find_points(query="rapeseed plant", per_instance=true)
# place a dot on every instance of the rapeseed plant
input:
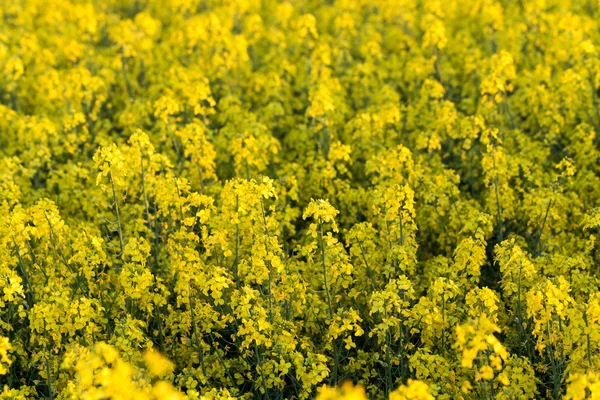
(351, 199)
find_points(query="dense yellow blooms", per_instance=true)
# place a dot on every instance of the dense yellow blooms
(5, 361)
(269, 199)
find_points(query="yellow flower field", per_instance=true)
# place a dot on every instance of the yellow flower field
(290, 199)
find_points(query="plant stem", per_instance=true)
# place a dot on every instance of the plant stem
(322, 243)
(116, 205)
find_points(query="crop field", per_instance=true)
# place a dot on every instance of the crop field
(298, 199)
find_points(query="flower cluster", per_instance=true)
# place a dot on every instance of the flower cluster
(344, 199)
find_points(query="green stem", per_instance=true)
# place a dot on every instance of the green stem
(116, 205)
(539, 238)
(49, 380)
(322, 243)
(196, 337)
(25, 275)
(237, 244)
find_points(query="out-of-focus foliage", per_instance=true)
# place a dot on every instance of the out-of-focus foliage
(266, 199)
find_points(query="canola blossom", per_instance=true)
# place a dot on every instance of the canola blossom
(294, 199)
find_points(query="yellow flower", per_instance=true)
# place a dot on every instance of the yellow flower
(157, 364)
(5, 361)
(413, 390)
(347, 391)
